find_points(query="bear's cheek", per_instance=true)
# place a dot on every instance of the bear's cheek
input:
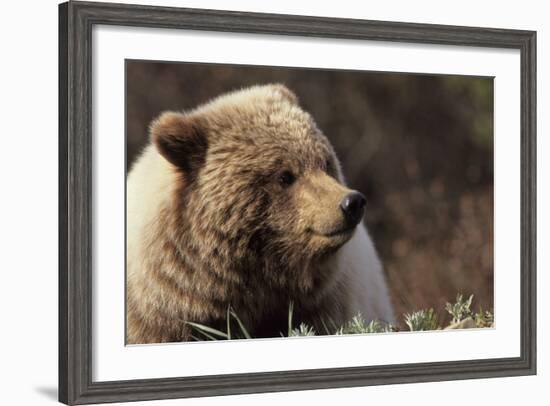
(283, 218)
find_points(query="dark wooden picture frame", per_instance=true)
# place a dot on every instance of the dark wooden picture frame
(76, 20)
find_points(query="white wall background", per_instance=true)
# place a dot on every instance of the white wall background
(28, 200)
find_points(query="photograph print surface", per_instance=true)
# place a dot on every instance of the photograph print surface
(266, 202)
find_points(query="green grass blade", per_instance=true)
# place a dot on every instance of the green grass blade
(327, 331)
(241, 325)
(333, 324)
(290, 311)
(205, 330)
(228, 323)
(210, 337)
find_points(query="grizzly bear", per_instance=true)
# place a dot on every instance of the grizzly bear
(241, 204)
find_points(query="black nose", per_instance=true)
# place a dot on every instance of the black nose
(353, 206)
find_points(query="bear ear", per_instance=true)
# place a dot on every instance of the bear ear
(180, 139)
(284, 92)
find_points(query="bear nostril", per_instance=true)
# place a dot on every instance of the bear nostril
(353, 206)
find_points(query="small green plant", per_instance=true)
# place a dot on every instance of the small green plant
(484, 318)
(460, 310)
(422, 320)
(302, 331)
(357, 325)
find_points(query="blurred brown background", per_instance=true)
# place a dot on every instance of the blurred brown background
(420, 147)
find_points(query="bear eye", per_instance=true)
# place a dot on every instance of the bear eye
(287, 178)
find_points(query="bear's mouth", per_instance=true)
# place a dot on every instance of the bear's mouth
(342, 231)
(335, 234)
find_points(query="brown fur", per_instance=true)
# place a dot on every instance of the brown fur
(229, 233)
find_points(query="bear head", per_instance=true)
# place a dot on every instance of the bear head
(261, 188)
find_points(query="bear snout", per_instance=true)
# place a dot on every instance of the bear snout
(353, 207)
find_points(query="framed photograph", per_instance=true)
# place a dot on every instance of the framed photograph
(257, 202)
